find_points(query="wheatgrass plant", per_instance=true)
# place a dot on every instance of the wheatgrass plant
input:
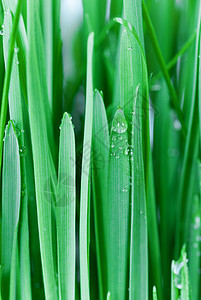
(104, 204)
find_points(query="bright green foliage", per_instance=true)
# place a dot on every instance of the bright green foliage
(11, 184)
(100, 209)
(118, 206)
(85, 184)
(43, 164)
(65, 210)
(100, 158)
(16, 103)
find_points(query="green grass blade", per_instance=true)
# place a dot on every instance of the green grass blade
(153, 234)
(127, 92)
(11, 186)
(179, 54)
(84, 264)
(161, 148)
(16, 109)
(133, 14)
(199, 88)
(47, 29)
(162, 64)
(100, 156)
(95, 13)
(4, 104)
(1, 52)
(118, 206)
(65, 210)
(43, 165)
(21, 39)
(57, 65)
(139, 243)
(40, 54)
(138, 285)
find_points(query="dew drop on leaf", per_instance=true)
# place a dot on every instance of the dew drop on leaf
(23, 151)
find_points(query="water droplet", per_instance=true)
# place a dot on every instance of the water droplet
(130, 26)
(59, 127)
(141, 212)
(23, 151)
(130, 48)
(70, 117)
(177, 125)
(197, 223)
(16, 49)
(117, 156)
(177, 267)
(124, 190)
(18, 62)
(126, 151)
(23, 187)
(22, 193)
(1, 32)
(112, 145)
(17, 132)
(151, 75)
(7, 12)
(155, 87)
(178, 283)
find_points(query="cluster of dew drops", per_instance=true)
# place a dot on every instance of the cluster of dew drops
(6, 12)
(119, 146)
(119, 137)
(196, 227)
(176, 268)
